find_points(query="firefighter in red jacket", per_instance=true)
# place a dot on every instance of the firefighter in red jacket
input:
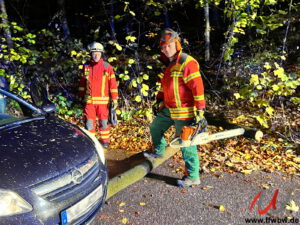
(98, 88)
(179, 102)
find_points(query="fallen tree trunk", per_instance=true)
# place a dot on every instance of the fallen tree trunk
(217, 120)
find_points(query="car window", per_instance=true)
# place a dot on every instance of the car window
(11, 110)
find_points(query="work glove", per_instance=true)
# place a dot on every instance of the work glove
(201, 119)
(157, 106)
(114, 104)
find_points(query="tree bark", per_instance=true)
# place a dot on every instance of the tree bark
(207, 32)
(217, 120)
(7, 33)
(63, 19)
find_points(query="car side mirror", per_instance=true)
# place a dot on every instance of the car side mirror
(49, 107)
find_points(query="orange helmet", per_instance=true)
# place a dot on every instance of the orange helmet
(168, 36)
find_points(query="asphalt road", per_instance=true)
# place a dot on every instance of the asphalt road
(156, 200)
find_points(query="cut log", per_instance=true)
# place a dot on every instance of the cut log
(218, 120)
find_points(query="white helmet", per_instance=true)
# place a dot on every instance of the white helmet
(96, 47)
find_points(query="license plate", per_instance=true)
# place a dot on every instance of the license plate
(80, 208)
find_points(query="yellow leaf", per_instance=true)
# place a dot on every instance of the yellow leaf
(248, 156)
(73, 53)
(130, 38)
(131, 61)
(261, 119)
(222, 208)
(80, 67)
(140, 79)
(229, 164)
(207, 188)
(122, 204)
(246, 172)
(267, 66)
(275, 87)
(132, 13)
(126, 77)
(111, 59)
(121, 210)
(142, 203)
(292, 206)
(118, 111)
(237, 95)
(259, 87)
(138, 98)
(254, 79)
(279, 72)
(270, 110)
(297, 160)
(149, 67)
(134, 84)
(117, 17)
(124, 220)
(145, 77)
(119, 47)
(145, 93)
(145, 87)
(283, 57)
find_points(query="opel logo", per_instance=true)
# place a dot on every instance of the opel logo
(77, 176)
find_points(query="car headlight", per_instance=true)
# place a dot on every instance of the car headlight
(11, 203)
(98, 146)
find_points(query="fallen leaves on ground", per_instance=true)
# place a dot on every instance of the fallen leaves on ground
(244, 156)
(133, 135)
(124, 220)
(207, 188)
(229, 155)
(222, 208)
(292, 206)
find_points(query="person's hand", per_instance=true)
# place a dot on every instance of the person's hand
(114, 104)
(157, 106)
(201, 119)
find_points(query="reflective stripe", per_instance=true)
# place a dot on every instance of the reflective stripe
(183, 116)
(98, 98)
(102, 132)
(81, 88)
(103, 85)
(104, 137)
(183, 109)
(112, 76)
(97, 102)
(176, 91)
(176, 74)
(199, 98)
(182, 113)
(114, 90)
(191, 76)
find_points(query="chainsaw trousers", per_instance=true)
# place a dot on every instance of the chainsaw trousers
(93, 111)
(159, 126)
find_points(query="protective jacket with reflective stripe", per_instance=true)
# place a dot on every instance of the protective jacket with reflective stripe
(98, 83)
(182, 88)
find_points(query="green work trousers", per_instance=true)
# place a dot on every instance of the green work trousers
(159, 126)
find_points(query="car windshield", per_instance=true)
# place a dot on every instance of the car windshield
(12, 110)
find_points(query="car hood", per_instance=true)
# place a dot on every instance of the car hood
(40, 149)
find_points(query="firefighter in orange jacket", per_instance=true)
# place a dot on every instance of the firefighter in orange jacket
(98, 87)
(179, 102)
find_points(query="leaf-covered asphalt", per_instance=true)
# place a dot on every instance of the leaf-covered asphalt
(156, 200)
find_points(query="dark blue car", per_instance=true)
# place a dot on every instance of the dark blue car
(51, 171)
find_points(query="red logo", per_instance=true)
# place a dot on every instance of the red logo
(272, 203)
